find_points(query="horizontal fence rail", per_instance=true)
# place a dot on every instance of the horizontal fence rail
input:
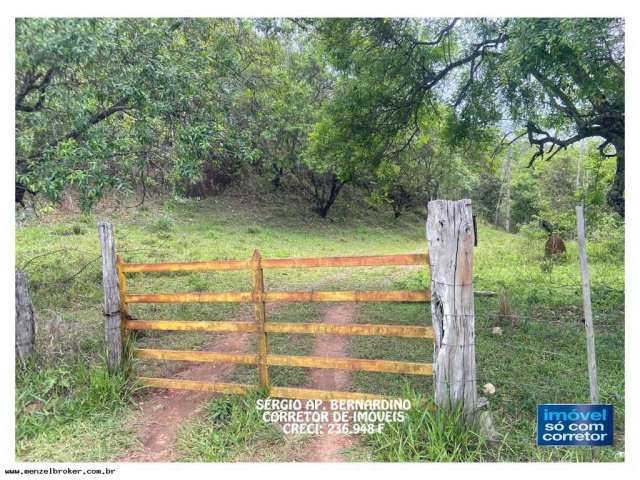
(204, 297)
(241, 389)
(191, 326)
(281, 297)
(406, 331)
(384, 366)
(313, 394)
(237, 388)
(190, 356)
(262, 359)
(359, 261)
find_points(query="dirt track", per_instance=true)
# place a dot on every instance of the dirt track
(163, 412)
(328, 447)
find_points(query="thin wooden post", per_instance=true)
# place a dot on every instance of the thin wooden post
(25, 320)
(260, 312)
(111, 307)
(586, 302)
(507, 201)
(450, 237)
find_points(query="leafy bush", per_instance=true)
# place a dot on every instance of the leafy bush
(164, 224)
(606, 238)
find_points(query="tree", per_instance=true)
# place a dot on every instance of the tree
(184, 104)
(565, 77)
(560, 80)
(191, 104)
(426, 169)
(109, 103)
(385, 104)
(283, 108)
(77, 84)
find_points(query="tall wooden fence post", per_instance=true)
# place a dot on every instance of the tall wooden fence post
(450, 236)
(25, 320)
(111, 307)
(586, 301)
(260, 311)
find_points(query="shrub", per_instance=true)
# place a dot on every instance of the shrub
(427, 435)
(163, 224)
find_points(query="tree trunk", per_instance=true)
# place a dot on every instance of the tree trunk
(615, 197)
(336, 186)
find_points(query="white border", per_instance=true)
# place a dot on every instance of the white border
(332, 8)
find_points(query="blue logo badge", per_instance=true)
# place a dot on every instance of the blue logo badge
(575, 424)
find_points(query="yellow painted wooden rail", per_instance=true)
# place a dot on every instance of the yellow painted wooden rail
(262, 359)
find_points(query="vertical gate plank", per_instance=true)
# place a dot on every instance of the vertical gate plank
(124, 308)
(451, 239)
(122, 287)
(260, 312)
(111, 307)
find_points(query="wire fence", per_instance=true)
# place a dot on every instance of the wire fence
(531, 354)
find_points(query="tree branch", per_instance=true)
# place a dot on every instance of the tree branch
(502, 143)
(568, 106)
(31, 84)
(120, 106)
(473, 67)
(478, 50)
(440, 36)
(557, 144)
(603, 146)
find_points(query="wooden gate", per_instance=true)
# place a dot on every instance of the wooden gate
(261, 327)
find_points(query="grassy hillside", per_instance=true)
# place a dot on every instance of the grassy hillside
(67, 408)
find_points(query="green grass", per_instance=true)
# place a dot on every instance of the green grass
(541, 358)
(427, 436)
(232, 429)
(72, 412)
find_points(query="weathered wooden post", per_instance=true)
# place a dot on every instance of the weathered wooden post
(588, 315)
(25, 320)
(260, 312)
(111, 307)
(450, 236)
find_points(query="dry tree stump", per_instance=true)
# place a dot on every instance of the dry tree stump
(554, 246)
(451, 236)
(451, 239)
(25, 320)
(111, 306)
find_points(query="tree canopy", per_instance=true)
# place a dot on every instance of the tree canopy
(404, 110)
(555, 81)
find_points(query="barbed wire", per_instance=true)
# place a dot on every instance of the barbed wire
(557, 325)
(540, 316)
(548, 286)
(497, 382)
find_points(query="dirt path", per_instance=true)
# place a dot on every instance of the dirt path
(163, 412)
(329, 447)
